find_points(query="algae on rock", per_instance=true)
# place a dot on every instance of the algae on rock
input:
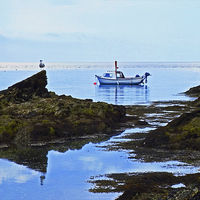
(31, 114)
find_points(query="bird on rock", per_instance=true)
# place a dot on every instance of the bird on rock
(41, 65)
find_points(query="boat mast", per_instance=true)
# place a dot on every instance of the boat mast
(116, 69)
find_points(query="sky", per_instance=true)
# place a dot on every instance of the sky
(100, 30)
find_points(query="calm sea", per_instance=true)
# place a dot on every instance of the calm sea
(68, 172)
(168, 80)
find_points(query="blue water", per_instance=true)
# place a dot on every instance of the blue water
(164, 84)
(67, 173)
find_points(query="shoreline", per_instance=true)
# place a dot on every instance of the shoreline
(134, 186)
(33, 66)
(27, 104)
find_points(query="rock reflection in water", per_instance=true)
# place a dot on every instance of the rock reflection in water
(64, 169)
(45, 170)
(33, 157)
(10, 171)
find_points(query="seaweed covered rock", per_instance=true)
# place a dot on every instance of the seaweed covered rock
(194, 91)
(26, 89)
(150, 185)
(29, 114)
(182, 132)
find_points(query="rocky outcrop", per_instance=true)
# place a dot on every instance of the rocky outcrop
(30, 114)
(182, 132)
(194, 91)
(26, 89)
(179, 140)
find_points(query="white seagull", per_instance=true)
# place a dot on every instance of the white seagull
(41, 65)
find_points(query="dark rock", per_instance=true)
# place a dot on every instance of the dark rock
(141, 123)
(26, 89)
(180, 139)
(181, 133)
(194, 91)
(191, 193)
(30, 113)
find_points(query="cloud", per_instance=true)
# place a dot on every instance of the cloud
(63, 2)
(29, 18)
(54, 35)
(100, 29)
(133, 20)
(18, 173)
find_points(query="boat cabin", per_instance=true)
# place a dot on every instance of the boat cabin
(111, 74)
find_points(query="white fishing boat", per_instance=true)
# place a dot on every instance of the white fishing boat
(117, 78)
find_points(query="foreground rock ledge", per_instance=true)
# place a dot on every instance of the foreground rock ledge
(182, 132)
(30, 114)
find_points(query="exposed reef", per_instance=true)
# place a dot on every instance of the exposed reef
(194, 91)
(31, 115)
(150, 186)
(178, 140)
(182, 132)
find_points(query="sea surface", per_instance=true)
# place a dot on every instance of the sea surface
(68, 172)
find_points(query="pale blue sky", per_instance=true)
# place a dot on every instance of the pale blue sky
(100, 30)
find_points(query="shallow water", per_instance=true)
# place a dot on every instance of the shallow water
(67, 173)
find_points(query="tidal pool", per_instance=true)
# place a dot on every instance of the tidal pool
(68, 172)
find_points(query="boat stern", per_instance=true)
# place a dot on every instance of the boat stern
(145, 76)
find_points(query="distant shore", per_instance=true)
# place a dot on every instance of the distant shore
(33, 66)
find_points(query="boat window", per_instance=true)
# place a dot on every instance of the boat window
(107, 75)
(120, 75)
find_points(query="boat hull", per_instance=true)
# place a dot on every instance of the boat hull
(120, 81)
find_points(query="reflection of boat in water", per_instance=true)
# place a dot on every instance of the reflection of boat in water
(118, 78)
(122, 94)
